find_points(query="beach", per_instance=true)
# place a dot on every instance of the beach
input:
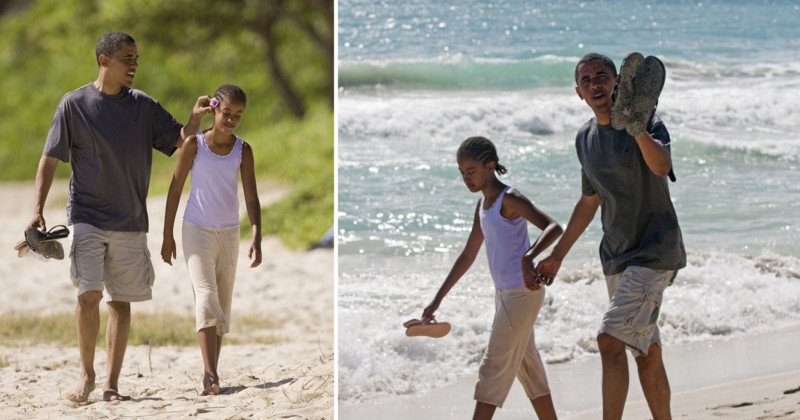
(757, 377)
(288, 374)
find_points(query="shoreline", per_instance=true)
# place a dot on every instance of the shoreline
(764, 363)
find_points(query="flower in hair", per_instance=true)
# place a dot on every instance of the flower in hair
(214, 102)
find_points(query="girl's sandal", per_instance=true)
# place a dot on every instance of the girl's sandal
(416, 328)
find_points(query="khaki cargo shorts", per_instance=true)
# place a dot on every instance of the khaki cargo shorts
(117, 261)
(634, 305)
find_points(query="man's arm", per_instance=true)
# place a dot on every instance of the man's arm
(201, 107)
(44, 179)
(655, 154)
(582, 215)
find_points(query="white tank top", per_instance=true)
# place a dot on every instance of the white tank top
(506, 242)
(214, 200)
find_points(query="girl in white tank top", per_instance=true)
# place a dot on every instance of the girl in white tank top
(501, 220)
(215, 158)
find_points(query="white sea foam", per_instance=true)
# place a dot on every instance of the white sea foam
(717, 295)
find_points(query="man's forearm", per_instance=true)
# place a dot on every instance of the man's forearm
(581, 217)
(44, 180)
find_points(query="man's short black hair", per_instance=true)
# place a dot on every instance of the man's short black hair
(110, 42)
(595, 57)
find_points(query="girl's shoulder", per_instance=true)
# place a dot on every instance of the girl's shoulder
(514, 197)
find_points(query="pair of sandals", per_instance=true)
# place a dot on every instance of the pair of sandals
(417, 328)
(636, 94)
(43, 243)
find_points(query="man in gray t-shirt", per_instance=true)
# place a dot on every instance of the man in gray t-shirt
(625, 174)
(107, 132)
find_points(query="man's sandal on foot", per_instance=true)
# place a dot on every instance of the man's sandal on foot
(640, 84)
(45, 243)
(416, 328)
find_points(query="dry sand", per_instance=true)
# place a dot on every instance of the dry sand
(292, 378)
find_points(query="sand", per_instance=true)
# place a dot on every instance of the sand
(758, 377)
(292, 378)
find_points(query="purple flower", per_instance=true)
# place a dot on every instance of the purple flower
(214, 102)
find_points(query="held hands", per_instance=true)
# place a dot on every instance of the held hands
(546, 271)
(168, 251)
(529, 274)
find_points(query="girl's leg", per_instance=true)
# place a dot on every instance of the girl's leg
(545, 410)
(483, 411)
(209, 349)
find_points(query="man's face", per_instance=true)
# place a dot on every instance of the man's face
(595, 84)
(121, 66)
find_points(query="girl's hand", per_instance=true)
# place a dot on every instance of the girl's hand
(168, 250)
(427, 314)
(255, 253)
(529, 274)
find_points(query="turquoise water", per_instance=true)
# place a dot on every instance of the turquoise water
(416, 78)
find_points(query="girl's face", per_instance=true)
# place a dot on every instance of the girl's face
(476, 175)
(228, 115)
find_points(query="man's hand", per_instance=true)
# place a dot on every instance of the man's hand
(547, 269)
(38, 222)
(202, 106)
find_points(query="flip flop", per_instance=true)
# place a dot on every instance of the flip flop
(45, 243)
(625, 91)
(110, 395)
(640, 84)
(416, 328)
(650, 77)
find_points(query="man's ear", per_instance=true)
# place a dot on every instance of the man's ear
(103, 60)
(578, 91)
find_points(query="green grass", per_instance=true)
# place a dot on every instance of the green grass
(43, 55)
(161, 329)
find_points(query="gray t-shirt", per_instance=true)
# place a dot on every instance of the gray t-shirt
(110, 141)
(640, 227)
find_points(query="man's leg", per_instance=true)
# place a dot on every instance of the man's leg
(655, 384)
(615, 375)
(119, 324)
(87, 314)
(483, 411)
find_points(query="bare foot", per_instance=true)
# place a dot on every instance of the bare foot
(113, 395)
(81, 394)
(210, 385)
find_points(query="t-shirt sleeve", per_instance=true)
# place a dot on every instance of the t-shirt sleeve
(586, 186)
(58, 139)
(166, 131)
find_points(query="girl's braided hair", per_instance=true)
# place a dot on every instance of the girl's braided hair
(482, 150)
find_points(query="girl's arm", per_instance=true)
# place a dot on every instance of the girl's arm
(516, 205)
(186, 155)
(460, 267)
(252, 203)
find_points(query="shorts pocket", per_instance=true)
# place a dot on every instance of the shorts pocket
(74, 274)
(150, 274)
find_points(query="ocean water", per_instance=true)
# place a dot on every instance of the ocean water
(417, 77)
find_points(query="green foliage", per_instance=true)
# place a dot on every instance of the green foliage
(187, 49)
